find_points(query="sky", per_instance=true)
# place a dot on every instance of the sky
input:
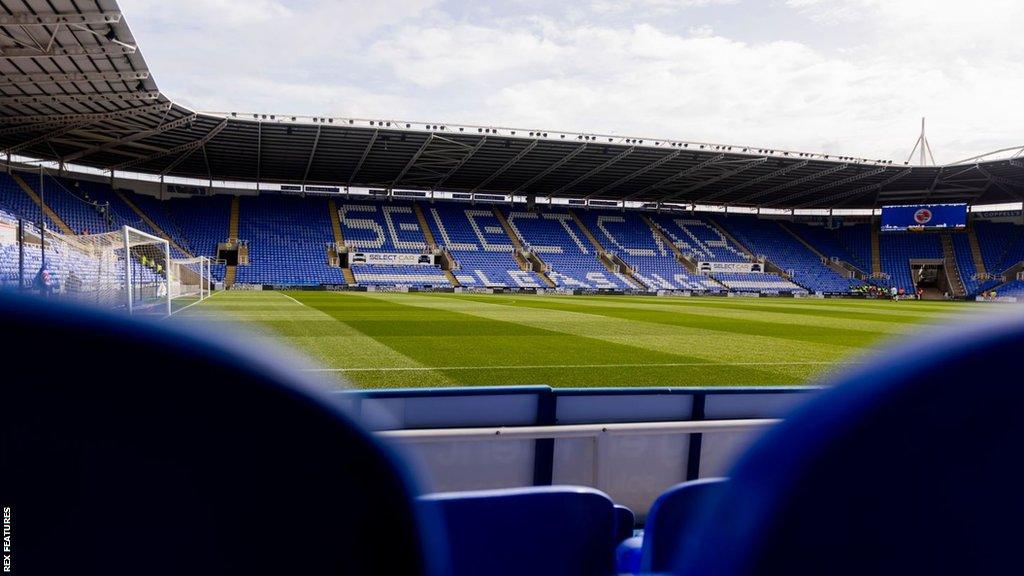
(851, 77)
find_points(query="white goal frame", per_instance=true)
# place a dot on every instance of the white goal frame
(201, 267)
(127, 233)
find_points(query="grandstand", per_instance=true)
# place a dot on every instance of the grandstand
(489, 207)
(288, 240)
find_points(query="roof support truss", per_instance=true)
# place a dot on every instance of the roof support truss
(636, 174)
(828, 186)
(94, 98)
(31, 52)
(574, 153)
(412, 160)
(723, 176)
(594, 170)
(30, 123)
(791, 183)
(512, 162)
(46, 137)
(60, 77)
(857, 191)
(366, 152)
(437, 160)
(763, 178)
(1004, 183)
(183, 149)
(678, 175)
(183, 121)
(25, 19)
(460, 163)
(312, 153)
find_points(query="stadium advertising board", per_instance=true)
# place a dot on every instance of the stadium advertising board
(708, 267)
(390, 258)
(923, 217)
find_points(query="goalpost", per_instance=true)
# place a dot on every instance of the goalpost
(147, 261)
(129, 270)
(190, 278)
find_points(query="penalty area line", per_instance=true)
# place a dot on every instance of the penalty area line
(192, 304)
(570, 366)
(292, 299)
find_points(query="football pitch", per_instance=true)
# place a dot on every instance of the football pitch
(398, 340)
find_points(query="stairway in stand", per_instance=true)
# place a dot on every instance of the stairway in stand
(610, 261)
(46, 209)
(339, 239)
(428, 234)
(145, 218)
(534, 263)
(230, 271)
(876, 251)
(952, 270)
(233, 222)
(979, 262)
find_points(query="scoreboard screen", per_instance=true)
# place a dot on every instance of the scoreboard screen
(924, 217)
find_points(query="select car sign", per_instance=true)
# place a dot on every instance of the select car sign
(390, 258)
(709, 267)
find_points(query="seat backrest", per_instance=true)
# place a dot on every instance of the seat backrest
(543, 531)
(910, 465)
(127, 448)
(673, 518)
(625, 521)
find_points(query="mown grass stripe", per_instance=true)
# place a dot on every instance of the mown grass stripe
(402, 340)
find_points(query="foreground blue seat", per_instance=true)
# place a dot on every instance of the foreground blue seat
(543, 531)
(910, 465)
(131, 449)
(625, 521)
(673, 518)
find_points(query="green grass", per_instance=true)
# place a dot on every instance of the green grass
(403, 340)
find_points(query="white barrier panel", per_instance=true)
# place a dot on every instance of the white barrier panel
(390, 258)
(1010, 299)
(632, 462)
(741, 267)
(8, 233)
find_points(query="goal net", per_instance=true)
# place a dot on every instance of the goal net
(126, 269)
(189, 279)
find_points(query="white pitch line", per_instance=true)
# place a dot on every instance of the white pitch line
(192, 304)
(293, 299)
(539, 366)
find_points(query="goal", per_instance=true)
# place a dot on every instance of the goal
(189, 280)
(127, 269)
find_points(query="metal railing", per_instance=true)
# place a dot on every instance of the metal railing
(596, 431)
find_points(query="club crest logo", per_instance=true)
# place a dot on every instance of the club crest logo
(923, 216)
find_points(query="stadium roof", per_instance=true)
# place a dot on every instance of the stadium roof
(75, 89)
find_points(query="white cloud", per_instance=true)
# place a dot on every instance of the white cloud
(659, 6)
(655, 69)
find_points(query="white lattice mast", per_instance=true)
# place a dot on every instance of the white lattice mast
(923, 148)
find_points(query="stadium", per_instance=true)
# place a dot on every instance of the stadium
(436, 348)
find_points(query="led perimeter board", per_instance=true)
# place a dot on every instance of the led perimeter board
(923, 217)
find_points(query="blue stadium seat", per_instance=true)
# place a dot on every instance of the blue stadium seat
(625, 521)
(544, 531)
(556, 238)
(673, 518)
(627, 235)
(482, 250)
(908, 466)
(115, 463)
(769, 239)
